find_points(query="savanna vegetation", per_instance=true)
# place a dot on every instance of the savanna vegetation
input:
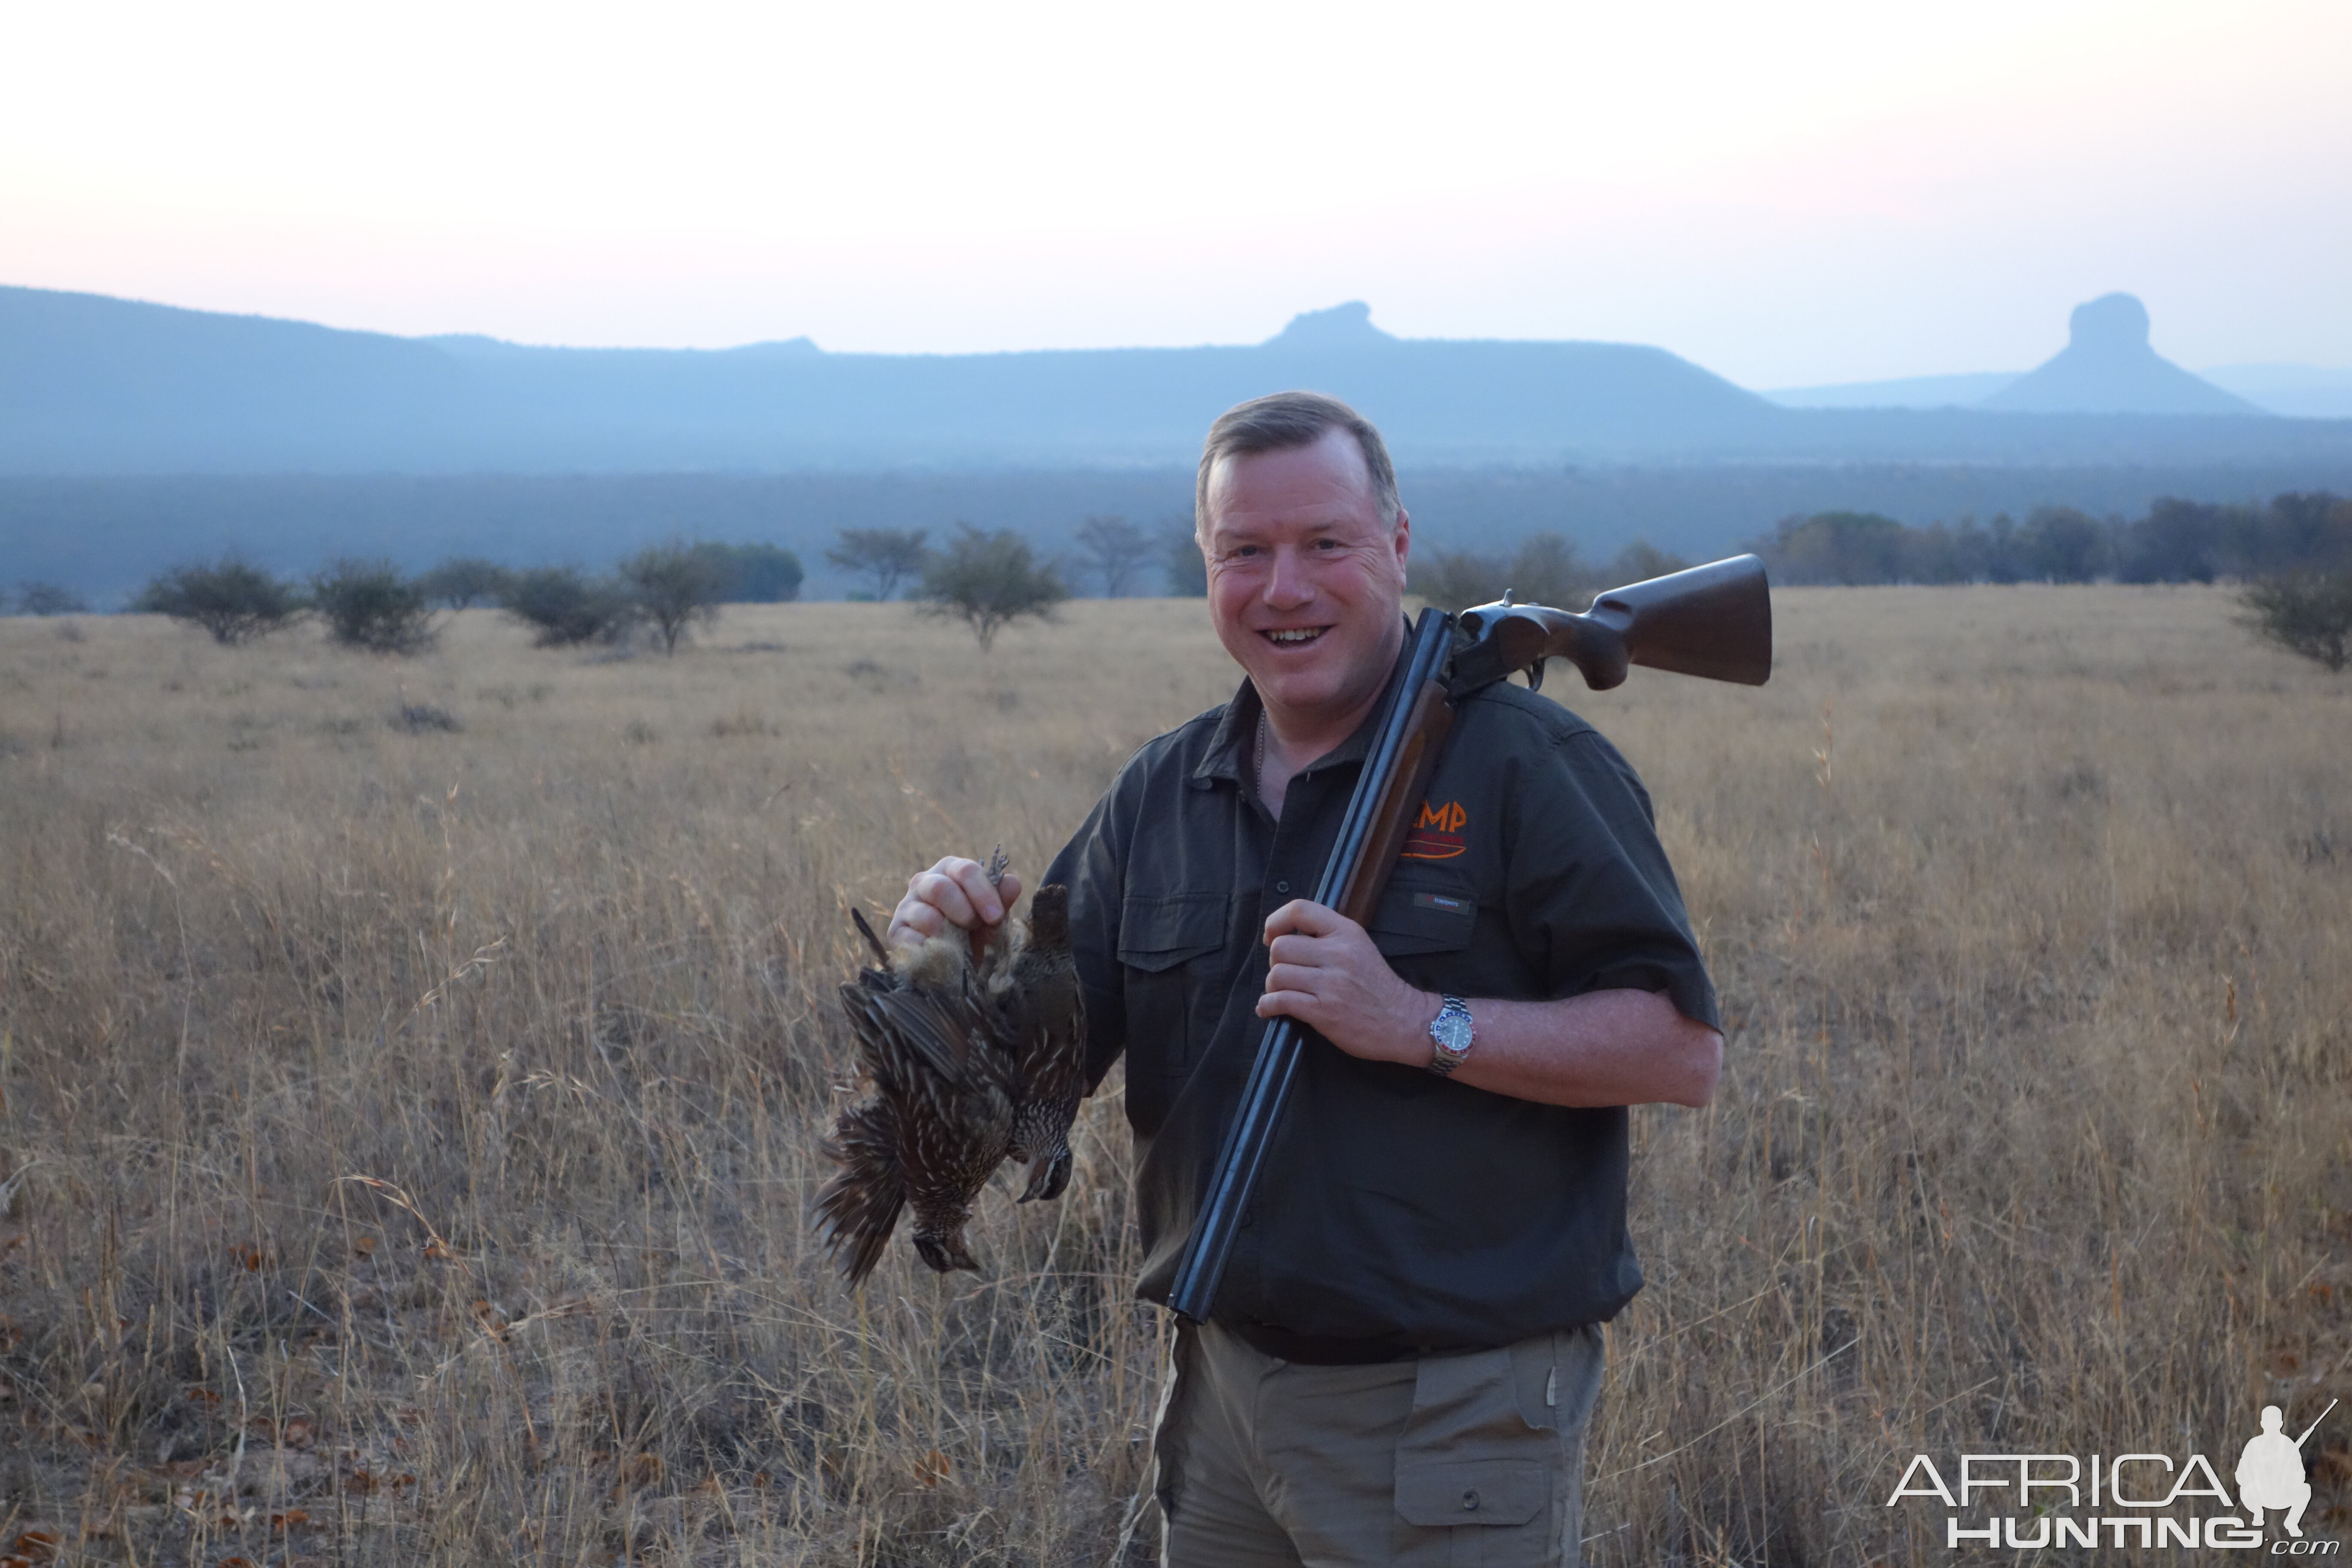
(2174, 541)
(407, 1128)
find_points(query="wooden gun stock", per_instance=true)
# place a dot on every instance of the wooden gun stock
(1713, 621)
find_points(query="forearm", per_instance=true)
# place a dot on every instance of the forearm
(1605, 1048)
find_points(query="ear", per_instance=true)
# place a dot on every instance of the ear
(1403, 540)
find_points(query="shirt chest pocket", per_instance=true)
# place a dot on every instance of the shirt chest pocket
(1419, 917)
(1157, 934)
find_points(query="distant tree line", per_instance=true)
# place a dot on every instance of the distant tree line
(2177, 542)
(1544, 569)
(2293, 556)
(370, 605)
(1110, 550)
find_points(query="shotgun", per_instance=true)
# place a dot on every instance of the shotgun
(1713, 621)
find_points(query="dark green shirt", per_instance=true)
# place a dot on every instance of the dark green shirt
(1394, 1205)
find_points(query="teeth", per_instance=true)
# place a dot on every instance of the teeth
(1305, 635)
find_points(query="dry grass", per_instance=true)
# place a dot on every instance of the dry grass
(410, 1128)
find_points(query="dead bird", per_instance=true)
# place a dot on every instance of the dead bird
(1042, 1018)
(975, 1048)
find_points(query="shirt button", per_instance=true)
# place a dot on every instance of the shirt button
(1282, 887)
(1470, 1500)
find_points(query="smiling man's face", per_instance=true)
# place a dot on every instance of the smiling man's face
(1307, 581)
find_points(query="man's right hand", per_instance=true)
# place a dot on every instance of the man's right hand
(953, 892)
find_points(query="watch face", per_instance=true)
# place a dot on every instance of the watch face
(1452, 1031)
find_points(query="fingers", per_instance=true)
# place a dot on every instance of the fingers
(1324, 970)
(954, 893)
(1306, 917)
(1303, 980)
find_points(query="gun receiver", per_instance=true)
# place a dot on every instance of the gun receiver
(1713, 621)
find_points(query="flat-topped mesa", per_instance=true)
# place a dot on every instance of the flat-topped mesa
(1348, 326)
(2108, 367)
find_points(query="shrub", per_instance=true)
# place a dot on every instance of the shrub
(986, 580)
(464, 581)
(49, 599)
(368, 604)
(233, 600)
(565, 607)
(754, 573)
(675, 586)
(418, 717)
(2307, 613)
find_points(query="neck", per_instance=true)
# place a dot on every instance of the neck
(1298, 738)
(1303, 735)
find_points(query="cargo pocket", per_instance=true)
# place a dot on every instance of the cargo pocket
(1475, 1483)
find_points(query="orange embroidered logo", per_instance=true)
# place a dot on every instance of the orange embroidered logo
(1437, 833)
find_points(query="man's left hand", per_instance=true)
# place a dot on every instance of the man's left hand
(1327, 974)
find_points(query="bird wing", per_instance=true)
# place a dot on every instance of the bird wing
(935, 1028)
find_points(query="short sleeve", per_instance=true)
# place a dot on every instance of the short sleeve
(1593, 902)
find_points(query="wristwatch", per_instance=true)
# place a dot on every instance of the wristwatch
(1451, 1033)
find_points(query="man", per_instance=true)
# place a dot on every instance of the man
(1404, 1351)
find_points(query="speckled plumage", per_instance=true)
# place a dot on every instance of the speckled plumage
(975, 1049)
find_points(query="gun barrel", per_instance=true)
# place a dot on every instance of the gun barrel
(1235, 1176)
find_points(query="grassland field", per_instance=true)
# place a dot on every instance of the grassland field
(411, 1073)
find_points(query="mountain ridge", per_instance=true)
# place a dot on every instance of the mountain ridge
(93, 385)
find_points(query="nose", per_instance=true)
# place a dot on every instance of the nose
(1289, 584)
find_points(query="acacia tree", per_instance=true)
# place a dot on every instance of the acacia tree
(1118, 551)
(987, 580)
(233, 600)
(888, 555)
(676, 585)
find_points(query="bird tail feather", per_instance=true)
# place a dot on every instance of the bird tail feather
(860, 1206)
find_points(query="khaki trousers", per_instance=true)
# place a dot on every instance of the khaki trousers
(1445, 1462)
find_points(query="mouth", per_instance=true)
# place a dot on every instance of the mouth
(1293, 637)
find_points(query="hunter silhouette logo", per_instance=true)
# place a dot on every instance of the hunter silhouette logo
(2270, 1472)
(2066, 1500)
(1437, 833)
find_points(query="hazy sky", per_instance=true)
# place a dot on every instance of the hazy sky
(1787, 193)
